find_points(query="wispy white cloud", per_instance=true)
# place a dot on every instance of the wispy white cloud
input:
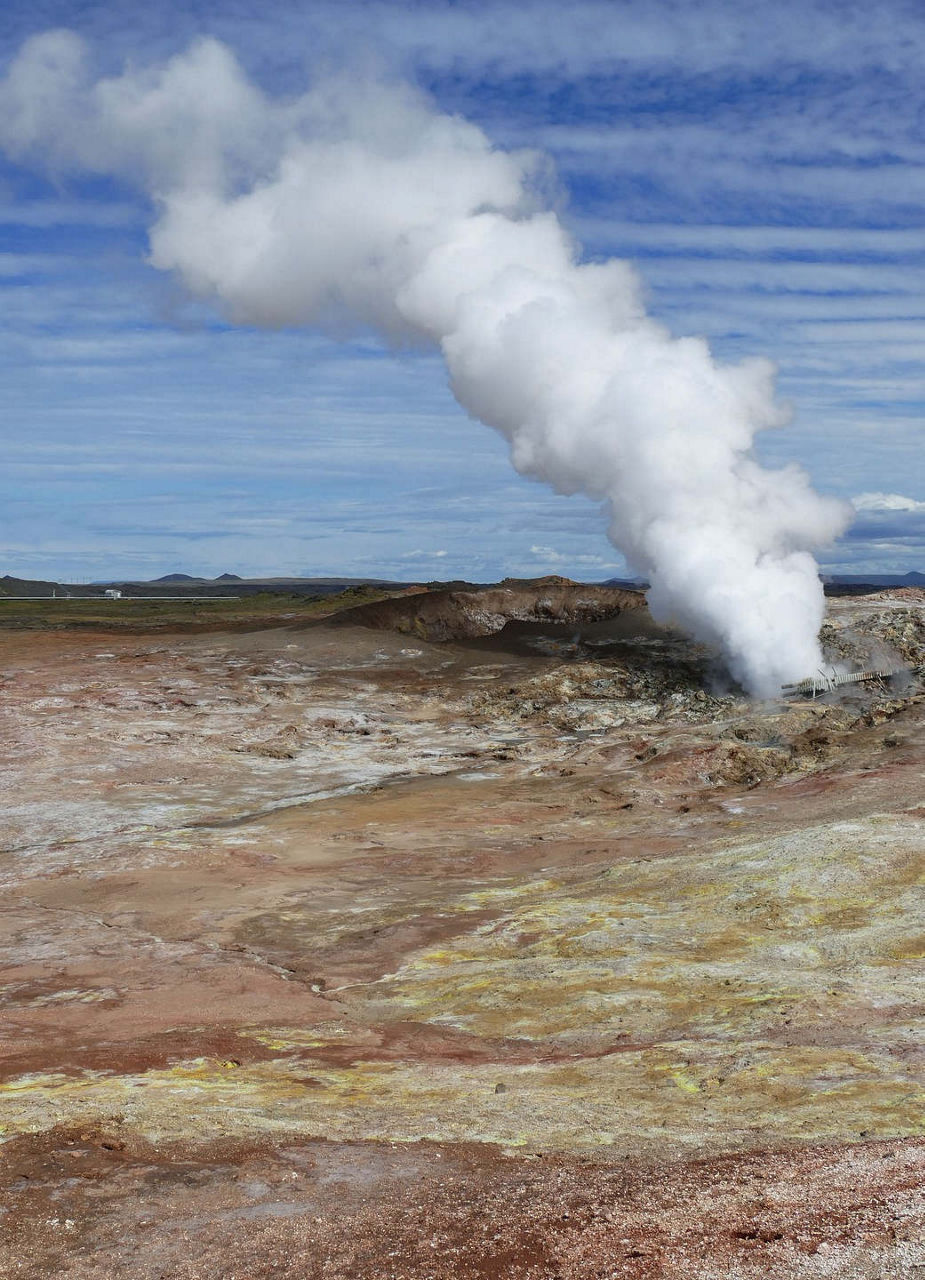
(516, 36)
(550, 555)
(46, 213)
(758, 240)
(887, 502)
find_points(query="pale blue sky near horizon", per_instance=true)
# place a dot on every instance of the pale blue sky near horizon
(763, 166)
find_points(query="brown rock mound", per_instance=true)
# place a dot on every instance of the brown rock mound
(484, 611)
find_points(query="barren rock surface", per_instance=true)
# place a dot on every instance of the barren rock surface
(467, 613)
(331, 951)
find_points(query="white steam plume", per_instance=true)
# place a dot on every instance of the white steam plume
(359, 204)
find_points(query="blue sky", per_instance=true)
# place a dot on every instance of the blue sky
(764, 166)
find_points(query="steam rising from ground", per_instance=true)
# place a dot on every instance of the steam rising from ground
(359, 204)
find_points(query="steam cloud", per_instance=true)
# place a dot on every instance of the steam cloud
(358, 205)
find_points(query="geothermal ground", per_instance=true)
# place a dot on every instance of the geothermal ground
(383, 946)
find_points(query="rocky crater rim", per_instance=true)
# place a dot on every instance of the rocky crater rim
(474, 612)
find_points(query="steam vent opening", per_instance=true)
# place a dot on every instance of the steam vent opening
(609, 647)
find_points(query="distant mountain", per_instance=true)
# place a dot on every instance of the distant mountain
(10, 586)
(911, 579)
(227, 584)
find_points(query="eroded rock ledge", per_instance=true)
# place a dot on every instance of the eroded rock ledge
(483, 611)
